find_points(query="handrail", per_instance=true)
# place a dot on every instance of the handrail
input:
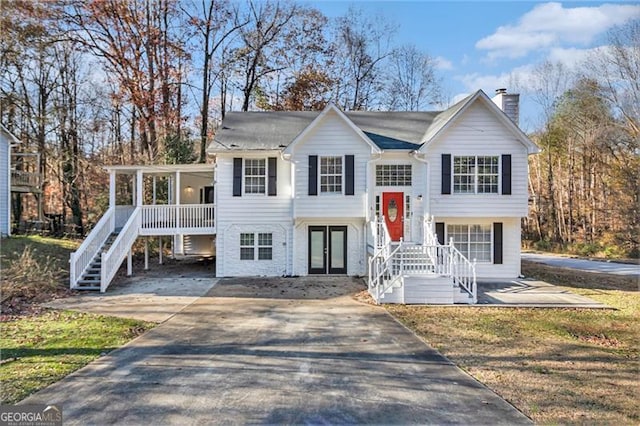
(112, 258)
(463, 271)
(81, 258)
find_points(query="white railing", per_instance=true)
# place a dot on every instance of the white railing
(388, 267)
(463, 271)
(175, 217)
(81, 259)
(112, 258)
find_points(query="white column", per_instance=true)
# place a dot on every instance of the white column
(161, 248)
(154, 189)
(146, 253)
(138, 188)
(112, 188)
(129, 264)
(178, 193)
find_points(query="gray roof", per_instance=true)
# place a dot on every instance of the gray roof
(242, 131)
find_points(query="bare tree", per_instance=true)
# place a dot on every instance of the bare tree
(412, 79)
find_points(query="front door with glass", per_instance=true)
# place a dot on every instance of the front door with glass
(327, 250)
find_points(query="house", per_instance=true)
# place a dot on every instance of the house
(423, 203)
(7, 139)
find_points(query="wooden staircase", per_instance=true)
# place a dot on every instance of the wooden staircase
(90, 280)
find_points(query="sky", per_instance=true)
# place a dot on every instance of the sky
(488, 45)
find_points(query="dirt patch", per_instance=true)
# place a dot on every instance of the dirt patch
(320, 288)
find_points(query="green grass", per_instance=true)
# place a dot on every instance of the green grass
(40, 350)
(56, 249)
(558, 366)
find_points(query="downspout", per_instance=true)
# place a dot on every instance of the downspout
(425, 196)
(292, 238)
(368, 200)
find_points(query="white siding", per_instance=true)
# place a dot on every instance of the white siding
(251, 212)
(356, 256)
(479, 132)
(5, 194)
(229, 259)
(332, 137)
(510, 267)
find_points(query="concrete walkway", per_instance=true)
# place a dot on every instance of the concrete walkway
(529, 293)
(615, 268)
(277, 351)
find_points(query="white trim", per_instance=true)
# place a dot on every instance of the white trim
(532, 148)
(316, 121)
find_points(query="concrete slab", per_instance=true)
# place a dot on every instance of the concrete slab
(153, 295)
(277, 351)
(531, 293)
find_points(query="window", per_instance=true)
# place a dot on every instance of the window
(255, 175)
(265, 246)
(393, 175)
(407, 206)
(475, 175)
(377, 206)
(247, 242)
(473, 241)
(331, 175)
(248, 246)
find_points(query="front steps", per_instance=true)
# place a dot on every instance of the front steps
(91, 278)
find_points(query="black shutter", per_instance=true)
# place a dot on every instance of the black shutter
(440, 232)
(237, 177)
(272, 186)
(497, 243)
(506, 174)
(313, 175)
(349, 175)
(446, 174)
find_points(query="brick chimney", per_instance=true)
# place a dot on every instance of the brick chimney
(509, 103)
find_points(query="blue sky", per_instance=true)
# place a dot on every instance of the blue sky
(486, 45)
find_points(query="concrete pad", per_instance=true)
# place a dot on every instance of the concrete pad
(531, 293)
(153, 295)
(269, 351)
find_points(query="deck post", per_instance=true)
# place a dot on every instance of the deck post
(178, 193)
(112, 188)
(161, 248)
(146, 253)
(129, 263)
(139, 194)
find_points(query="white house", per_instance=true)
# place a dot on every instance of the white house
(7, 139)
(421, 202)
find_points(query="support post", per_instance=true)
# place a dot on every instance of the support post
(112, 188)
(178, 191)
(154, 189)
(161, 248)
(138, 188)
(146, 253)
(129, 264)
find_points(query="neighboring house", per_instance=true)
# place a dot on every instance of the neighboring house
(422, 202)
(7, 139)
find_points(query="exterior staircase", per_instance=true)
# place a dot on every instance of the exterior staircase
(90, 280)
(418, 273)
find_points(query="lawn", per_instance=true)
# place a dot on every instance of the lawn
(40, 346)
(555, 365)
(39, 350)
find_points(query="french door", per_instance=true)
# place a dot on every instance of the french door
(327, 250)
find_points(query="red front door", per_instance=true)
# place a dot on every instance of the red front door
(393, 211)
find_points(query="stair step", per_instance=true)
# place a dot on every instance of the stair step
(87, 287)
(88, 282)
(91, 274)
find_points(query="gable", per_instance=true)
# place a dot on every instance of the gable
(332, 131)
(485, 117)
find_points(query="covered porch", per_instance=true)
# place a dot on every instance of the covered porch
(171, 199)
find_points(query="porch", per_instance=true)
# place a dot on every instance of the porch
(169, 200)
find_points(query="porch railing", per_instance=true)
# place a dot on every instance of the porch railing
(174, 217)
(81, 259)
(112, 258)
(22, 178)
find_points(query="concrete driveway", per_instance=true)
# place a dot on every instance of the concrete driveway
(277, 351)
(624, 269)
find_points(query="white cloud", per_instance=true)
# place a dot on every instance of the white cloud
(513, 80)
(573, 57)
(443, 63)
(551, 25)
